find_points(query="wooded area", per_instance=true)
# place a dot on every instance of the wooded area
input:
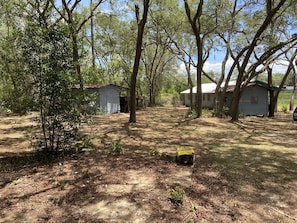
(99, 42)
(62, 160)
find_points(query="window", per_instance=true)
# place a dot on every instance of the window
(254, 99)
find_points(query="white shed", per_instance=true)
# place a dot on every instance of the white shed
(107, 98)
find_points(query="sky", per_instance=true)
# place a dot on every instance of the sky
(215, 66)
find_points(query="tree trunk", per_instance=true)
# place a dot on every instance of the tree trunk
(218, 100)
(271, 93)
(76, 63)
(198, 104)
(196, 28)
(234, 110)
(141, 25)
(294, 91)
(289, 69)
(92, 36)
(190, 84)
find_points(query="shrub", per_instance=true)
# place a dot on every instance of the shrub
(284, 109)
(48, 55)
(155, 152)
(116, 148)
(176, 195)
(191, 113)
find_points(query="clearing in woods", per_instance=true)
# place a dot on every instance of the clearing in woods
(243, 172)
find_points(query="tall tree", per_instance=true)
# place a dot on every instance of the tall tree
(196, 27)
(156, 57)
(203, 25)
(68, 13)
(140, 25)
(15, 84)
(248, 52)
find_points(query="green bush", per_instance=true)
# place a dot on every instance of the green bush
(116, 148)
(155, 152)
(176, 195)
(284, 109)
(191, 113)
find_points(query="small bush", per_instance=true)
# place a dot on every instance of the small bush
(86, 174)
(116, 148)
(207, 113)
(284, 109)
(155, 152)
(191, 113)
(62, 185)
(176, 195)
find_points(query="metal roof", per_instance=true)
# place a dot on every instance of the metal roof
(208, 88)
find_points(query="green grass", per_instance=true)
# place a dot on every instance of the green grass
(284, 100)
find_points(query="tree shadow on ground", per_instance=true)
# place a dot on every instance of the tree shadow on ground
(92, 198)
(255, 177)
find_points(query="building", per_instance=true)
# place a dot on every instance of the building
(106, 99)
(254, 99)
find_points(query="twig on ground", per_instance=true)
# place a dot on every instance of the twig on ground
(283, 213)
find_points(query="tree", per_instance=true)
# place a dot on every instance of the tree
(228, 26)
(46, 51)
(203, 25)
(75, 24)
(294, 76)
(244, 75)
(16, 85)
(140, 25)
(182, 45)
(156, 57)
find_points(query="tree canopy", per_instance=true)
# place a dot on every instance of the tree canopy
(253, 36)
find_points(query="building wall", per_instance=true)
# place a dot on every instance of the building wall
(109, 99)
(207, 100)
(254, 101)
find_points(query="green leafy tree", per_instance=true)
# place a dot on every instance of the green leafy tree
(15, 85)
(203, 24)
(47, 53)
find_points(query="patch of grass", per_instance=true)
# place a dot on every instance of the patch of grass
(176, 195)
(155, 152)
(284, 99)
(62, 184)
(86, 174)
(116, 148)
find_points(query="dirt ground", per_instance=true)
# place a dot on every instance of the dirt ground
(243, 172)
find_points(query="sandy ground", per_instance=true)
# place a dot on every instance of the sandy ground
(243, 172)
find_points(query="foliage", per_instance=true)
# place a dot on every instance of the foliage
(15, 84)
(85, 142)
(284, 109)
(155, 152)
(176, 195)
(47, 53)
(191, 113)
(116, 148)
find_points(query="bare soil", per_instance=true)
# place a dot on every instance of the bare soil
(243, 172)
